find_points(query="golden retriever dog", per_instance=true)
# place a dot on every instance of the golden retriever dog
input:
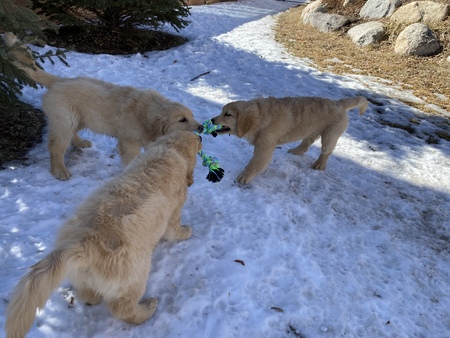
(268, 122)
(133, 116)
(105, 249)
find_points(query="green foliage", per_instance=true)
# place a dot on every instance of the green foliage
(20, 20)
(120, 16)
(28, 26)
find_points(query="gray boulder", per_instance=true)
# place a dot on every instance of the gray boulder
(325, 22)
(421, 11)
(417, 39)
(315, 6)
(368, 33)
(377, 9)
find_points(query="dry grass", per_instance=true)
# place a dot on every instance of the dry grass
(427, 77)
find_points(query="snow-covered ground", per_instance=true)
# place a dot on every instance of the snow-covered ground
(359, 250)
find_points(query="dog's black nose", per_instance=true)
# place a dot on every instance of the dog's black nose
(212, 120)
(200, 129)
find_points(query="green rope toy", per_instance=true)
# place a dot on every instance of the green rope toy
(215, 171)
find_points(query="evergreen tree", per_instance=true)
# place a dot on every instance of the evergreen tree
(119, 16)
(20, 124)
(25, 24)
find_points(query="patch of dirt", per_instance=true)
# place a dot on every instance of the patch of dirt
(21, 125)
(427, 77)
(20, 129)
(94, 40)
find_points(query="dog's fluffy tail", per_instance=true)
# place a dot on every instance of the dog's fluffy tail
(26, 62)
(357, 101)
(32, 293)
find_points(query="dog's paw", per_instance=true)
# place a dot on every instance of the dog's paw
(61, 174)
(150, 303)
(244, 178)
(295, 151)
(79, 142)
(85, 144)
(319, 165)
(148, 308)
(185, 232)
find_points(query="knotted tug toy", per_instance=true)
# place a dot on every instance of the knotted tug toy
(215, 173)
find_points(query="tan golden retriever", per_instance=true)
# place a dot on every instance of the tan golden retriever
(135, 117)
(105, 249)
(267, 122)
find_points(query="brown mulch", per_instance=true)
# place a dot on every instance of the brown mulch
(94, 40)
(20, 129)
(426, 77)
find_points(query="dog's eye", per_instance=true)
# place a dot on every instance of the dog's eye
(183, 120)
(227, 114)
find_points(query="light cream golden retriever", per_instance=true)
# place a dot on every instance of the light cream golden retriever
(135, 117)
(105, 249)
(267, 122)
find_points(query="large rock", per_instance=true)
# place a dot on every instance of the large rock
(201, 2)
(325, 22)
(377, 9)
(421, 11)
(315, 6)
(368, 33)
(417, 39)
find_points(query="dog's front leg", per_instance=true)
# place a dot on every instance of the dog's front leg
(174, 229)
(128, 150)
(128, 308)
(57, 146)
(262, 155)
(77, 141)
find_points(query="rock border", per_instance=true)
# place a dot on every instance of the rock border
(417, 38)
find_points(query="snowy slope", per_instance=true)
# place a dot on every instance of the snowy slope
(359, 250)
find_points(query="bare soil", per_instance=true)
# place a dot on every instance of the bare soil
(94, 40)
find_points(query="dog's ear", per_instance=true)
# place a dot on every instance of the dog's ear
(187, 145)
(190, 173)
(246, 119)
(164, 125)
(188, 148)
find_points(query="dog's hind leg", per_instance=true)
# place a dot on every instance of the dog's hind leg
(128, 309)
(77, 141)
(89, 296)
(175, 231)
(329, 142)
(59, 140)
(303, 147)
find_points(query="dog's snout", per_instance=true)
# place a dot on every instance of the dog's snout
(201, 140)
(212, 120)
(200, 128)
